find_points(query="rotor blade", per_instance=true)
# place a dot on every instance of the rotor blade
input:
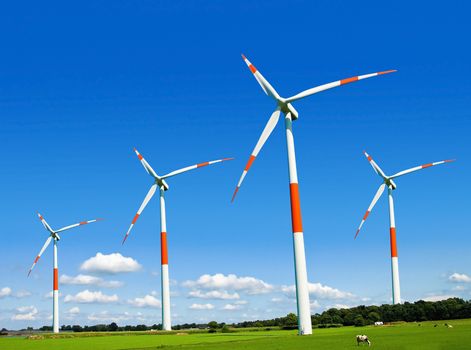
(266, 86)
(375, 166)
(75, 225)
(48, 241)
(141, 208)
(196, 166)
(420, 167)
(45, 224)
(146, 165)
(334, 84)
(370, 208)
(261, 141)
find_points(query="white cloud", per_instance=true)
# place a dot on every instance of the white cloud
(87, 296)
(110, 264)
(249, 285)
(231, 307)
(87, 280)
(74, 311)
(276, 300)
(201, 306)
(320, 291)
(459, 288)
(146, 301)
(22, 294)
(459, 277)
(213, 294)
(106, 316)
(25, 313)
(315, 305)
(438, 297)
(5, 292)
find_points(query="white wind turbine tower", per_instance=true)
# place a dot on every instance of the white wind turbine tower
(284, 105)
(53, 235)
(159, 182)
(389, 183)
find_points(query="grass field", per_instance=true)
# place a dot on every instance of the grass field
(400, 336)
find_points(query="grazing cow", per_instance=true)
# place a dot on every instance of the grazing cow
(363, 339)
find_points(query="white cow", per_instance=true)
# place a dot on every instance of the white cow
(363, 339)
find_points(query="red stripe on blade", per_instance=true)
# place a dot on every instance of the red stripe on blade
(427, 165)
(348, 80)
(135, 218)
(387, 71)
(202, 164)
(249, 163)
(235, 193)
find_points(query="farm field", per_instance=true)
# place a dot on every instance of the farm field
(400, 336)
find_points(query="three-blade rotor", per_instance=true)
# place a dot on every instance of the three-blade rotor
(160, 183)
(388, 182)
(53, 234)
(284, 105)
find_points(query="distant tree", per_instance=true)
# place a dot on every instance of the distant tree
(77, 328)
(373, 316)
(359, 321)
(113, 327)
(326, 319)
(213, 325)
(290, 320)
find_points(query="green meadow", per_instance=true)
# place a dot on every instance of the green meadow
(398, 336)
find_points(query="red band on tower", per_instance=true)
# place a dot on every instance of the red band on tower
(163, 248)
(297, 222)
(392, 236)
(56, 279)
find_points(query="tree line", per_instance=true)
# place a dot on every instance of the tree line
(419, 311)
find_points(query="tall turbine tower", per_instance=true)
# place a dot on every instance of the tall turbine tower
(159, 182)
(53, 235)
(284, 105)
(389, 183)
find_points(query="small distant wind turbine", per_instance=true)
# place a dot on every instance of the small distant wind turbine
(284, 105)
(55, 293)
(159, 181)
(389, 183)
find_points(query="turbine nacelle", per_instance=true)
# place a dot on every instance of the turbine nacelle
(288, 108)
(162, 184)
(390, 183)
(55, 236)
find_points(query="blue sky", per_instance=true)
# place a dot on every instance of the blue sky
(82, 84)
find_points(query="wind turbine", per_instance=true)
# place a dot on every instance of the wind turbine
(389, 183)
(159, 181)
(53, 235)
(284, 105)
